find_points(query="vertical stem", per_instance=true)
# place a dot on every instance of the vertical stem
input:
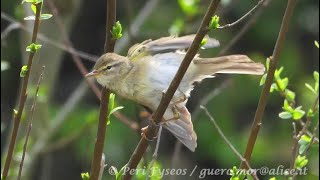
(23, 95)
(105, 93)
(266, 89)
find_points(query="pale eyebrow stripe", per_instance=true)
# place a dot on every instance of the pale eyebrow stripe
(112, 65)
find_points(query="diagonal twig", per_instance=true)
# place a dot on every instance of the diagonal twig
(297, 137)
(225, 139)
(11, 27)
(155, 154)
(144, 13)
(76, 59)
(30, 124)
(249, 13)
(166, 98)
(44, 38)
(223, 51)
(245, 28)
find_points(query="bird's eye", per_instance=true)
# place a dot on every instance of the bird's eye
(108, 67)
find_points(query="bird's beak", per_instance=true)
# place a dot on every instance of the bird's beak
(92, 73)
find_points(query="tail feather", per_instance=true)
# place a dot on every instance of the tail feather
(233, 64)
(182, 128)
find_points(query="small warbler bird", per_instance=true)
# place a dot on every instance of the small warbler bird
(148, 69)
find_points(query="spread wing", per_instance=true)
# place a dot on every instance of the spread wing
(166, 44)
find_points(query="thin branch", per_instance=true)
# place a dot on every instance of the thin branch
(11, 27)
(295, 146)
(105, 94)
(204, 101)
(79, 92)
(315, 129)
(223, 51)
(297, 137)
(249, 13)
(23, 95)
(211, 96)
(102, 166)
(144, 13)
(270, 76)
(157, 116)
(76, 59)
(65, 140)
(155, 154)
(33, 107)
(245, 28)
(225, 139)
(41, 143)
(42, 37)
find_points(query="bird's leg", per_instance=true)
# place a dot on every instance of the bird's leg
(176, 114)
(181, 98)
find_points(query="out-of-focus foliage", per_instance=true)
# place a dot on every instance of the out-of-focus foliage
(69, 150)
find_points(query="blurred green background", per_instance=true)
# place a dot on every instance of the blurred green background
(65, 121)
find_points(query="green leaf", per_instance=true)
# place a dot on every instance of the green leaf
(298, 113)
(33, 47)
(277, 73)
(203, 42)
(139, 175)
(33, 8)
(155, 173)
(111, 101)
(4, 65)
(284, 84)
(287, 107)
(304, 142)
(310, 113)
(250, 177)
(176, 27)
(274, 87)
(115, 171)
(45, 16)
(114, 110)
(236, 174)
(273, 178)
(189, 7)
(214, 23)
(316, 76)
(305, 138)
(290, 95)
(30, 18)
(263, 80)
(310, 88)
(285, 115)
(268, 63)
(116, 31)
(316, 43)
(31, 1)
(24, 70)
(120, 173)
(85, 176)
(301, 161)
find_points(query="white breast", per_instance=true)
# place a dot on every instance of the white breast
(160, 72)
